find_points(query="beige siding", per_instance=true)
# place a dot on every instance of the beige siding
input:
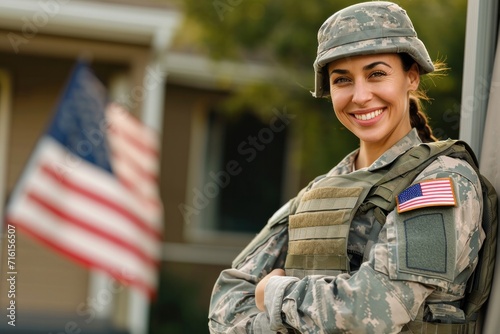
(45, 280)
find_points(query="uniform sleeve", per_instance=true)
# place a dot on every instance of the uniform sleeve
(386, 292)
(232, 306)
(437, 246)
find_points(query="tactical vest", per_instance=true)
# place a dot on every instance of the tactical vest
(321, 216)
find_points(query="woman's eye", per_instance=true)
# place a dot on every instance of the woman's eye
(378, 74)
(340, 80)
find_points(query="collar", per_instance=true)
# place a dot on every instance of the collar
(404, 144)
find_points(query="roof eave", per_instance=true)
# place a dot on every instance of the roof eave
(98, 21)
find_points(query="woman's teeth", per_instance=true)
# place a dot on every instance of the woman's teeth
(368, 116)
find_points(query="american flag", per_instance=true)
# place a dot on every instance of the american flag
(437, 192)
(89, 190)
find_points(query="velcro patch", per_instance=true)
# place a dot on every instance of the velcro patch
(437, 192)
(426, 243)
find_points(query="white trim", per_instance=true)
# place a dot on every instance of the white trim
(138, 312)
(196, 165)
(85, 19)
(153, 86)
(202, 72)
(480, 41)
(152, 116)
(98, 280)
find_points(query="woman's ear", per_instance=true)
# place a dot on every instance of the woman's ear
(414, 77)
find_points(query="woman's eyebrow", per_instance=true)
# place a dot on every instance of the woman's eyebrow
(339, 71)
(374, 64)
(365, 68)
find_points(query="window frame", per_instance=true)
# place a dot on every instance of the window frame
(197, 230)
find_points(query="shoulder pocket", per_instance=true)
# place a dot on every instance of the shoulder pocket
(425, 249)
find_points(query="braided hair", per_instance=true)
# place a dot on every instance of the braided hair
(418, 119)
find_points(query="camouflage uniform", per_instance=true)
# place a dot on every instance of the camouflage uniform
(379, 297)
(392, 275)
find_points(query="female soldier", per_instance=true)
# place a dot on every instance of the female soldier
(351, 263)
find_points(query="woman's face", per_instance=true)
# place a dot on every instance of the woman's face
(370, 96)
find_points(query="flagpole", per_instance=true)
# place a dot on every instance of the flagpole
(152, 117)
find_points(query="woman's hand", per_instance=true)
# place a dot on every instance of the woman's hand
(261, 286)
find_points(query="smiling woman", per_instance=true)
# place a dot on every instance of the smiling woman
(370, 97)
(387, 240)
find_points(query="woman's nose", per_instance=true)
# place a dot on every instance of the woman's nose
(361, 93)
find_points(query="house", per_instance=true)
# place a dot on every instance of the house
(208, 161)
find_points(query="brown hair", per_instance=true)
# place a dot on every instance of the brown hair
(418, 119)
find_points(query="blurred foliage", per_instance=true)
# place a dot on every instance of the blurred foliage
(283, 34)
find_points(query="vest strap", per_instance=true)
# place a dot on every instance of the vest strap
(317, 262)
(323, 204)
(318, 232)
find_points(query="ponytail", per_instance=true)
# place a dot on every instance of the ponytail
(418, 119)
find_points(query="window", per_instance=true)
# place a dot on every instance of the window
(253, 155)
(241, 171)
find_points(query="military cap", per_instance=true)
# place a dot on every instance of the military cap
(367, 28)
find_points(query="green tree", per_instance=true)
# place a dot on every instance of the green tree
(283, 34)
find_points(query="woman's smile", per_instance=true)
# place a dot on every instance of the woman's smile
(367, 118)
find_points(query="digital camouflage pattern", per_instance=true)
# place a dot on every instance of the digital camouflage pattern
(367, 28)
(385, 294)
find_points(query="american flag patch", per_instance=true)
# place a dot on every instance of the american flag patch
(437, 192)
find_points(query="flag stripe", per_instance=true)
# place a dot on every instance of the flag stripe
(92, 212)
(63, 166)
(125, 160)
(82, 224)
(44, 223)
(120, 119)
(142, 185)
(146, 287)
(148, 204)
(102, 253)
(79, 241)
(438, 192)
(123, 126)
(141, 159)
(438, 200)
(111, 205)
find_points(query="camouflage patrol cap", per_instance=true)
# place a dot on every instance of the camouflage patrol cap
(367, 28)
